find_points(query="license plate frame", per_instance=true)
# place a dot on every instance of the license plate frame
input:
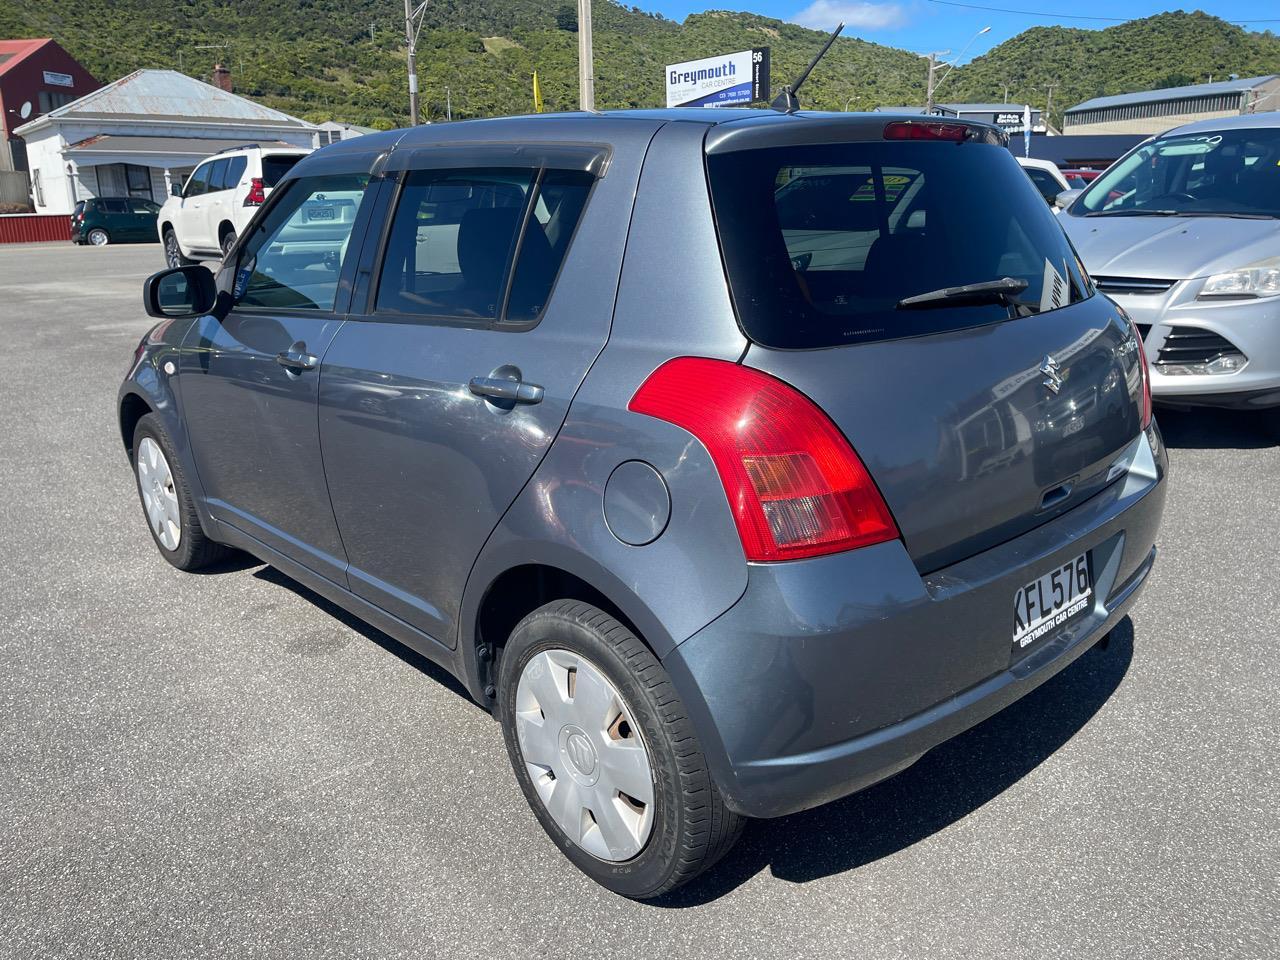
(1048, 602)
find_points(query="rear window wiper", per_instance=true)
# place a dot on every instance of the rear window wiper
(988, 291)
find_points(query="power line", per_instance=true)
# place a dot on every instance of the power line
(1065, 16)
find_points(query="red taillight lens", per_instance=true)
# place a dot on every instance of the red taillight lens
(794, 484)
(921, 130)
(1146, 374)
(256, 195)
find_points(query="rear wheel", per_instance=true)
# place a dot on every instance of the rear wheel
(166, 500)
(173, 252)
(99, 237)
(228, 241)
(605, 753)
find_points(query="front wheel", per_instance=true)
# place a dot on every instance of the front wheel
(606, 754)
(99, 237)
(173, 252)
(166, 500)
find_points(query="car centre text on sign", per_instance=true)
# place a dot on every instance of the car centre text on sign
(731, 80)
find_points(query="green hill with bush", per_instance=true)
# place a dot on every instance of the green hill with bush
(344, 59)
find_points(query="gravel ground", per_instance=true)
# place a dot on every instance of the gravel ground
(227, 765)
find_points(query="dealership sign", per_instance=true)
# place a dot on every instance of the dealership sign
(735, 79)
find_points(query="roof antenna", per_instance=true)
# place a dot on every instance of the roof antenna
(786, 101)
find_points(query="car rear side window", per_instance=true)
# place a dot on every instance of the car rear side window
(113, 206)
(217, 175)
(822, 243)
(457, 233)
(235, 172)
(294, 256)
(276, 165)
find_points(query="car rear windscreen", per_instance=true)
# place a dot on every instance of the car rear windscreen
(822, 243)
(276, 165)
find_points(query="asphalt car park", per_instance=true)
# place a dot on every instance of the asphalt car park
(228, 765)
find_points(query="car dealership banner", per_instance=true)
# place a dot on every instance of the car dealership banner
(732, 80)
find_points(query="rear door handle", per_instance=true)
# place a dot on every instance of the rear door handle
(500, 388)
(296, 359)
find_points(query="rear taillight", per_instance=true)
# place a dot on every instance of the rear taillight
(794, 484)
(1145, 369)
(923, 130)
(256, 195)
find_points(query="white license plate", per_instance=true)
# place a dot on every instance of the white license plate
(320, 213)
(1049, 601)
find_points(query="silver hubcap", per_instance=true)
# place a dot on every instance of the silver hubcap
(159, 497)
(584, 754)
(98, 238)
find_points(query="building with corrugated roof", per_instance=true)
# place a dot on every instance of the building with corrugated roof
(1155, 111)
(142, 134)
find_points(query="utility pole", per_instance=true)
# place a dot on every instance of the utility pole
(586, 61)
(933, 69)
(411, 29)
(1048, 107)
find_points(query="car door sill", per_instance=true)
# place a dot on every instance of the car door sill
(410, 636)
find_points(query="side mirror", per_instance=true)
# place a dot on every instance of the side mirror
(1066, 198)
(182, 292)
(175, 189)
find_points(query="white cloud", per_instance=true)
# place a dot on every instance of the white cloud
(825, 14)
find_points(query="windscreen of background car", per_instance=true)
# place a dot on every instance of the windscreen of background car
(822, 242)
(276, 165)
(1226, 172)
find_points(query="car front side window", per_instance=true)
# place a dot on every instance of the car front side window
(294, 256)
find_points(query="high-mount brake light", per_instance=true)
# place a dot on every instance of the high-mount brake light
(256, 195)
(922, 130)
(796, 487)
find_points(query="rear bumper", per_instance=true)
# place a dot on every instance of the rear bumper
(832, 674)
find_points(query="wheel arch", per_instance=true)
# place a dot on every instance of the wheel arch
(504, 593)
(225, 227)
(133, 407)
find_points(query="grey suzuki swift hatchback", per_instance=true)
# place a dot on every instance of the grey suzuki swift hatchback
(733, 459)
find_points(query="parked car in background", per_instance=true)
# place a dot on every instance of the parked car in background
(205, 215)
(104, 220)
(1079, 179)
(732, 464)
(1046, 176)
(1184, 233)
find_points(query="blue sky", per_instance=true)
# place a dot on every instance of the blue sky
(924, 25)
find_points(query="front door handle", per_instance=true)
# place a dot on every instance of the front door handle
(500, 388)
(296, 359)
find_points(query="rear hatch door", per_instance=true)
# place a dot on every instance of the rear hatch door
(979, 416)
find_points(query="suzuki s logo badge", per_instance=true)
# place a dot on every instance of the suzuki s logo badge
(1052, 379)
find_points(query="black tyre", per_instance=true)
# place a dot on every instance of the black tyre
(166, 500)
(173, 256)
(605, 753)
(228, 241)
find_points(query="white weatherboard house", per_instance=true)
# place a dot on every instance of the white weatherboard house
(138, 135)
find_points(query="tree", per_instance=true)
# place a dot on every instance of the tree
(567, 18)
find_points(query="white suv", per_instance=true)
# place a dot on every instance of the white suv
(203, 218)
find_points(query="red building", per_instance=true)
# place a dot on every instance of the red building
(36, 76)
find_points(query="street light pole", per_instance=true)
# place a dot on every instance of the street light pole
(586, 61)
(933, 83)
